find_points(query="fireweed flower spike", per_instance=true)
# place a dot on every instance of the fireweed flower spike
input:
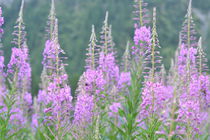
(104, 35)
(51, 21)
(141, 50)
(20, 42)
(19, 32)
(155, 94)
(106, 42)
(203, 77)
(189, 40)
(189, 105)
(155, 59)
(142, 37)
(201, 59)
(191, 101)
(55, 100)
(90, 60)
(1, 23)
(1, 52)
(190, 111)
(106, 62)
(91, 83)
(142, 41)
(83, 115)
(140, 13)
(92, 80)
(111, 42)
(49, 36)
(126, 59)
(188, 33)
(154, 97)
(2, 66)
(19, 73)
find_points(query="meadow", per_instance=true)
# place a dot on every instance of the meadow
(134, 98)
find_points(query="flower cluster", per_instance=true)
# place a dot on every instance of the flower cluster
(56, 100)
(191, 102)
(94, 80)
(108, 66)
(184, 53)
(84, 110)
(142, 40)
(19, 60)
(155, 97)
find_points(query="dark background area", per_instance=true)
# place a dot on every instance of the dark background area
(75, 20)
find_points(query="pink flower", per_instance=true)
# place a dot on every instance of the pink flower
(114, 109)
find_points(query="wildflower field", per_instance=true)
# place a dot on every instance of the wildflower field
(134, 98)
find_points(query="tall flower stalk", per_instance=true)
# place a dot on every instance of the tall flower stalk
(126, 58)
(106, 42)
(91, 60)
(140, 13)
(2, 66)
(153, 64)
(1, 52)
(142, 36)
(88, 88)
(19, 72)
(201, 59)
(154, 54)
(54, 100)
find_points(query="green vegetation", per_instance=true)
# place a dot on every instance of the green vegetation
(77, 16)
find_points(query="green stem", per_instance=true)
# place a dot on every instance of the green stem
(140, 13)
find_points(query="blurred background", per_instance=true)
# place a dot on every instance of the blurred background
(75, 20)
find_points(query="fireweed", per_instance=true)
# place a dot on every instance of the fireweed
(54, 102)
(19, 74)
(2, 66)
(137, 99)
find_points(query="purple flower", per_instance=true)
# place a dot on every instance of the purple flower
(1, 63)
(108, 66)
(84, 110)
(143, 34)
(2, 78)
(94, 80)
(2, 74)
(1, 23)
(19, 63)
(124, 79)
(114, 109)
(142, 40)
(182, 59)
(205, 90)
(154, 98)
(18, 117)
(34, 122)
(49, 53)
(42, 97)
(193, 103)
(60, 98)
(55, 102)
(28, 98)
